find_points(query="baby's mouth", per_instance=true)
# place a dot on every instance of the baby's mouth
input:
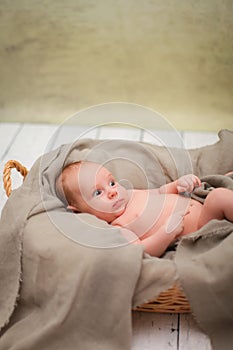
(118, 203)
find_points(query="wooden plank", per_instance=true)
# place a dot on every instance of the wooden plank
(8, 132)
(70, 133)
(190, 335)
(30, 142)
(194, 139)
(154, 331)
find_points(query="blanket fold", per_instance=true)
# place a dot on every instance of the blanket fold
(208, 183)
(204, 263)
(70, 281)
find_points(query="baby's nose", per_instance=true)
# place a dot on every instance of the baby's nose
(112, 193)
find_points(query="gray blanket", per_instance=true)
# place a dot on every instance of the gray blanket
(70, 281)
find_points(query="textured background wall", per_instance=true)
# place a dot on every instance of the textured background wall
(175, 56)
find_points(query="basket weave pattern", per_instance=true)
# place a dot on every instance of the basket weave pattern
(173, 300)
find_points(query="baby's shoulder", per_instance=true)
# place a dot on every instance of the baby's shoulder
(134, 207)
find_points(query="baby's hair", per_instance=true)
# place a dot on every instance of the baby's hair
(62, 190)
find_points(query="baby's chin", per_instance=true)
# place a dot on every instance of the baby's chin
(120, 211)
(114, 215)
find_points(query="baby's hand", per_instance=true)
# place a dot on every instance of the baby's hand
(175, 223)
(187, 183)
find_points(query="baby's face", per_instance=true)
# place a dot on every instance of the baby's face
(98, 192)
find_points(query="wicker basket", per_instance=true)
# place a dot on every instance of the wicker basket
(173, 300)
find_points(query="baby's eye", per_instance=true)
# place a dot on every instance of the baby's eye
(112, 183)
(97, 193)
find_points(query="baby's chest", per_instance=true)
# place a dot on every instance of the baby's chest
(142, 212)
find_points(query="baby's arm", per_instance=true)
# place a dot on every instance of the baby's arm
(185, 183)
(157, 243)
(154, 245)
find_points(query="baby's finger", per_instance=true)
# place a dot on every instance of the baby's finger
(192, 181)
(185, 186)
(182, 184)
(181, 189)
(197, 182)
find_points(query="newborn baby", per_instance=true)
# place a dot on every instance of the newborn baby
(153, 217)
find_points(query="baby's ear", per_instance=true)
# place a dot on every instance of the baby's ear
(71, 207)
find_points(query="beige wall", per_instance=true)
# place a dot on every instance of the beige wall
(58, 56)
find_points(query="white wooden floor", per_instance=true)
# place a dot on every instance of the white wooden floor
(25, 142)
